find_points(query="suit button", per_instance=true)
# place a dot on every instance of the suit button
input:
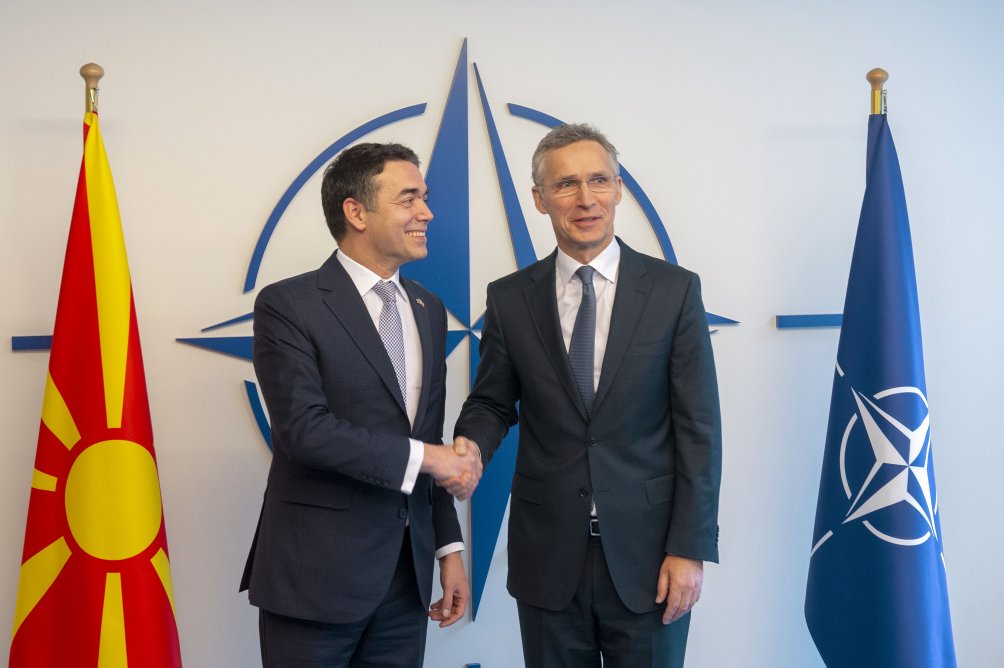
(403, 513)
(583, 492)
(593, 442)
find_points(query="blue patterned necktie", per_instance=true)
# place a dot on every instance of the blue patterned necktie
(581, 347)
(391, 332)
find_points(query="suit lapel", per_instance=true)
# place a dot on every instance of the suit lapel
(633, 288)
(543, 303)
(347, 306)
(425, 336)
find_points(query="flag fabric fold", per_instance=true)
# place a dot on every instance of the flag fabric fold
(95, 582)
(877, 592)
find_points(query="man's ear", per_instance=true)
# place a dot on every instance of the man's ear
(355, 213)
(538, 200)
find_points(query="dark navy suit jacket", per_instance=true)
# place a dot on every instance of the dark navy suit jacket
(334, 518)
(649, 455)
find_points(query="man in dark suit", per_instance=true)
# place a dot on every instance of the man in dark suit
(351, 362)
(615, 495)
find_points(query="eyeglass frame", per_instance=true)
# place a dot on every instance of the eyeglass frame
(609, 185)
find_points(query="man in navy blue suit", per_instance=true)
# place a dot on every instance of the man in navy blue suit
(351, 361)
(606, 353)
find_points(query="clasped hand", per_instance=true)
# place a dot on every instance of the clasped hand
(456, 468)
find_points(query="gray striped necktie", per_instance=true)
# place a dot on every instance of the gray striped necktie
(391, 332)
(580, 350)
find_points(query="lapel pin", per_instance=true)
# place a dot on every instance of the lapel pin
(420, 302)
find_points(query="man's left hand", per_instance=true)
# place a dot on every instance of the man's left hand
(680, 581)
(456, 592)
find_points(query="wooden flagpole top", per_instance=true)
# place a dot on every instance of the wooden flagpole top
(92, 74)
(877, 78)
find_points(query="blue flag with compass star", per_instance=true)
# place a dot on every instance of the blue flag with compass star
(877, 594)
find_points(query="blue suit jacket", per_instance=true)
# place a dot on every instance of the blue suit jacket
(333, 518)
(649, 455)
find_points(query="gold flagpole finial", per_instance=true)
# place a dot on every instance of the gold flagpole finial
(877, 78)
(92, 75)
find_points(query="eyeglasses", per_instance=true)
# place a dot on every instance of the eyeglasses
(569, 187)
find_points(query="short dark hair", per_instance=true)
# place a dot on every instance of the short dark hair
(565, 134)
(352, 174)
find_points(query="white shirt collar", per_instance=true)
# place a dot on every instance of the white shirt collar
(606, 263)
(364, 279)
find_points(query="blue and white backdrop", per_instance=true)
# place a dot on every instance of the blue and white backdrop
(743, 128)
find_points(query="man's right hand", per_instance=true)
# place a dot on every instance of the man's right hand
(456, 468)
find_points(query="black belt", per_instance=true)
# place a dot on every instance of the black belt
(594, 527)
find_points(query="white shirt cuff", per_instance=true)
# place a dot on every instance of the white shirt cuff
(414, 464)
(449, 549)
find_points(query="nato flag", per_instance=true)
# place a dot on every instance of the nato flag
(877, 593)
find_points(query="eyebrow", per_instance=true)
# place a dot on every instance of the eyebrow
(412, 191)
(575, 177)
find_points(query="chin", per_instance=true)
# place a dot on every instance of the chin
(593, 242)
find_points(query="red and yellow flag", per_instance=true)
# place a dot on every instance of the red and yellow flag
(95, 585)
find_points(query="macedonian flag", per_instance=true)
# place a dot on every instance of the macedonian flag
(95, 584)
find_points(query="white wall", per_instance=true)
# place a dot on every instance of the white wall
(745, 122)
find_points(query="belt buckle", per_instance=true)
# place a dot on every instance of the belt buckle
(594, 526)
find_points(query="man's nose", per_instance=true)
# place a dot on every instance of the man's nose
(585, 197)
(424, 212)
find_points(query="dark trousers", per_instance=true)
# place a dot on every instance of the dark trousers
(393, 636)
(597, 629)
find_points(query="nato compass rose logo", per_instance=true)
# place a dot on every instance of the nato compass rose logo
(886, 467)
(895, 498)
(447, 270)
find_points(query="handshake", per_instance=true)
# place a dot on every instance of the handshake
(456, 468)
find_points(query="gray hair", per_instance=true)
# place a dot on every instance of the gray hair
(565, 134)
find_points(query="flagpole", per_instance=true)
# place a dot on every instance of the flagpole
(877, 78)
(92, 74)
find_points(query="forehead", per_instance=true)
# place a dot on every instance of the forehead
(397, 176)
(579, 159)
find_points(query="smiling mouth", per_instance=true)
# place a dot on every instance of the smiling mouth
(416, 234)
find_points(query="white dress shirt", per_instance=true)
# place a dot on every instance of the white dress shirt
(569, 291)
(568, 287)
(364, 280)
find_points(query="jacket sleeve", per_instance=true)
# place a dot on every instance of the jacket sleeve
(697, 427)
(444, 512)
(304, 429)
